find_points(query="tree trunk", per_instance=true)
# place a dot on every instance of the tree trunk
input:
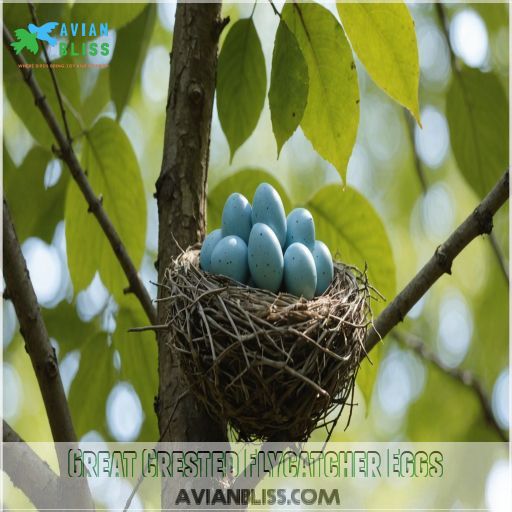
(181, 196)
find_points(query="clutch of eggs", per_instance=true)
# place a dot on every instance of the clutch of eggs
(258, 245)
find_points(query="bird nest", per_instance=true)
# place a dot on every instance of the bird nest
(275, 366)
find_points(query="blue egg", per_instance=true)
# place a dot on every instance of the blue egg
(268, 208)
(229, 258)
(265, 258)
(236, 217)
(324, 267)
(299, 271)
(300, 227)
(209, 243)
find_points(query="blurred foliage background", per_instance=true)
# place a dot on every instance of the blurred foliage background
(110, 374)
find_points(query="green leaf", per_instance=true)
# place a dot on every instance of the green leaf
(35, 209)
(94, 104)
(331, 117)
(477, 113)
(91, 386)
(116, 16)
(241, 83)
(65, 326)
(131, 45)
(289, 81)
(383, 37)
(139, 361)
(245, 182)
(351, 228)
(114, 174)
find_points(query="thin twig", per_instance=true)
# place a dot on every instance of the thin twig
(253, 8)
(479, 222)
(465, 377)
(274, 8)
(154, 328)
(52, 74)
(67, 154)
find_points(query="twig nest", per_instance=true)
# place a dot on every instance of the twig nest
(275, 366)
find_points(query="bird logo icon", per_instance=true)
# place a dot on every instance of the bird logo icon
(28, 38)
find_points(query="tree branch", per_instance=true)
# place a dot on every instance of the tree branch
(478, 223)
(95, 207)
(53, 77)
(181, 190)
(42, 354)
(464, 377)
(274, 8)
(28, 472)
(33, 329)
(181, 198)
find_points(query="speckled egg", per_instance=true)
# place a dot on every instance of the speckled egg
(211, 240)
(265, 258)
(268, 208)
(324, 266)
(229, 258)
(300, 227)
(299, 271)
(236, 217)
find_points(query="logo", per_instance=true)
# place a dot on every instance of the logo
(28, 39)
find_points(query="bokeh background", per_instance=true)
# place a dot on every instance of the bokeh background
(463, 319)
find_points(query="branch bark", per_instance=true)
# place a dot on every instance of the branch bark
(464, 377)
(67, 154)
(28, 472)
(41, 352)
(478, 223)
(181, 194)
(33, 329)
(181, 198)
